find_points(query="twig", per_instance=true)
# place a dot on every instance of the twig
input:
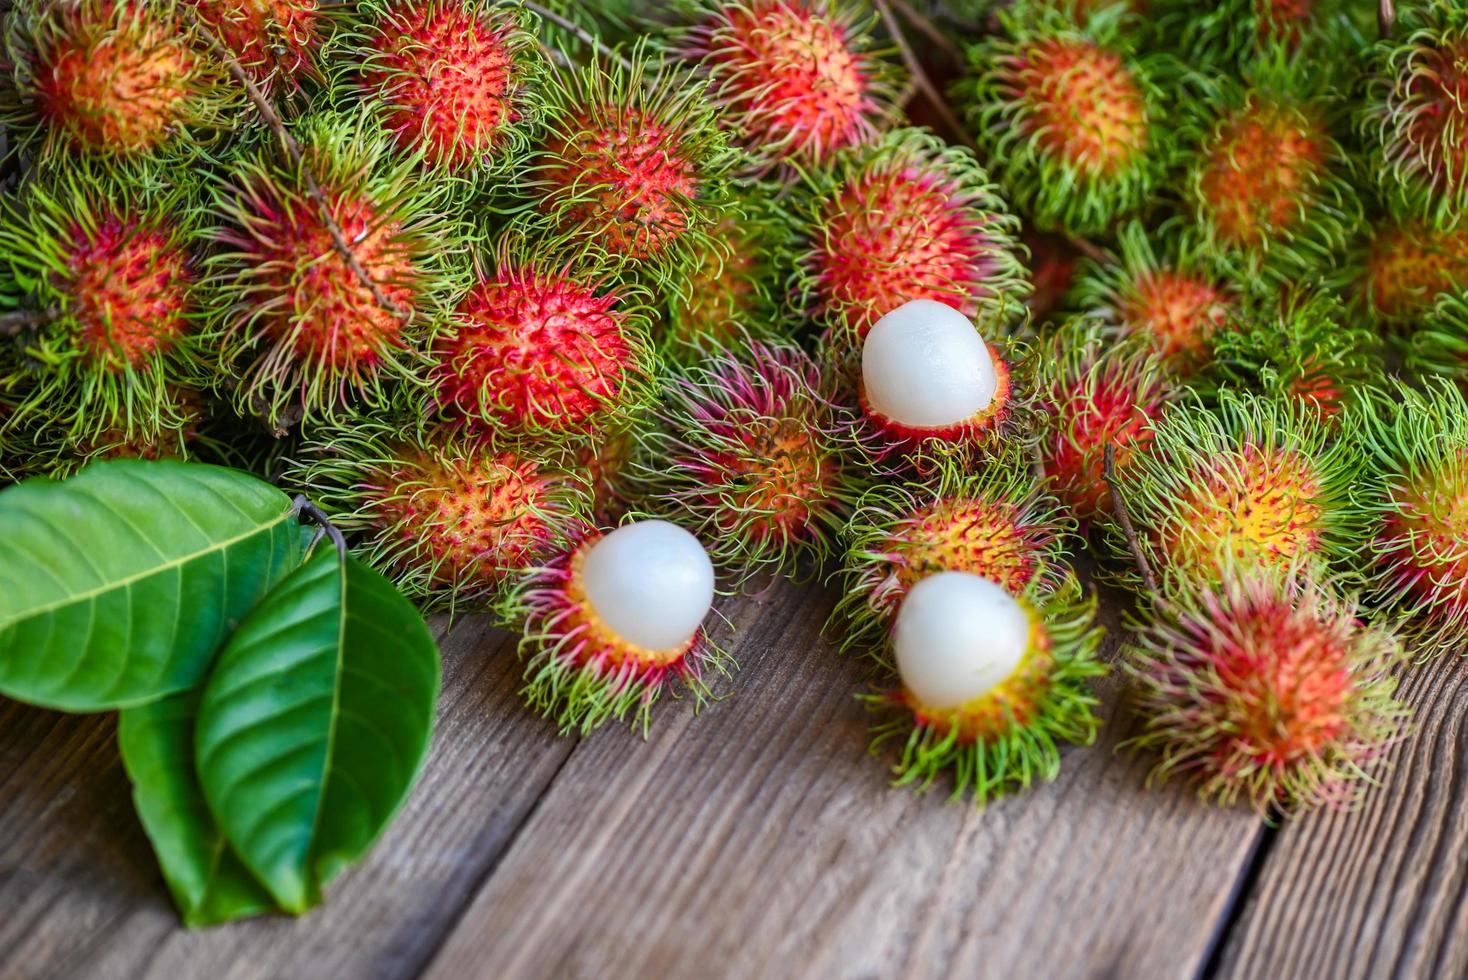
(928, 29)
(920, 76)
(556, 55)
(1386, 17)
(311, 514)
(580, 33)
(17, 321)
(1118, 505)
(313, 189)
(1089, 249)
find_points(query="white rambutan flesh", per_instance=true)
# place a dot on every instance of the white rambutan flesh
(924, 365)
(957, 637)
(651, 583)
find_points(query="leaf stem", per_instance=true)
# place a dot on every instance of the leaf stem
(1123, 517)
(311, 514)
(920, 77)
(579, 32)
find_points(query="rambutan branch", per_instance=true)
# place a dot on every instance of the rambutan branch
(920, 77)
(1124, 518)
(928, 29)
(18, 321)
(1386, 17)
(1089, 249)
(580, 33)
(309, 513)
(293, 148)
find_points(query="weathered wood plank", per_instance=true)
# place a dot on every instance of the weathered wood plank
(760, 840)
(83, 896)
(1381, 891)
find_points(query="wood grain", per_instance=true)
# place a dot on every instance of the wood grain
(1382, 891)
(760, 840)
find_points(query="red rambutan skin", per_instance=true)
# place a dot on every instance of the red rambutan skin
(534, 350)
(115, 90)
(1438, 125)
(272, 39)
(471, 519)
(1424, 540)
(128, 290)
(1177, 311)
(789, 75)
(450, 81)
(1084, 106)
(1113, 410)
(1408, 265)
(896, 436)
(983, 537)
(627, 180)
(1262, 163)
(896, 235)
(307, 294)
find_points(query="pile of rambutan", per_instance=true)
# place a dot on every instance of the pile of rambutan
(583, 315)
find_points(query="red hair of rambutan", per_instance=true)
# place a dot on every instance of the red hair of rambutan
(452, 78)
(540, 351)
(1262, 161)
(1407, 265)
(1265, 686)
(1178, 310)
(276, 41)
(792, 76)
(1422, 542)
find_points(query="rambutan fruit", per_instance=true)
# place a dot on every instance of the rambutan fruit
(991, 682)
(1095, 390)
(1417, 496)
(746, 451)
(795, 80)
(631, 167)
(455, 79)
(1229, 33)
(449, 517)
(1250, 479)
(1069, 115)
(1264, 182)
(996, 522)
(1440, 347)
(101, 265)
(1414, 117)
(305, 330)
(277, 42)
(613, 621)
(1265, 685)
(544, 352)
(906, 219)
(110, 78)
(1161, 288)
(1404, 266)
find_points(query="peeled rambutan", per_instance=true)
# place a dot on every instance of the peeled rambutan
(101, 264)
(543, 352)
(1258, 481)
(1095, 390)
(631, 166)
(991, 682)
(1069, 115)
(114, 78)
(996, 522)
(796, 80)
(906, 219)
(612, 621)
(454, 79)
(304, 331)
(1417, 497)
(1414, 118)
(1161, 289)
(278, 42)
(450, 518)
(745, 450)
(1267, 686)
(1264, 182)
(1404, 266)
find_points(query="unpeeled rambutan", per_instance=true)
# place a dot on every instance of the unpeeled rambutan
(114, 78)
(906, 219)
(1264, 182)
(1254, 480)
(303, 330)
(449, 517)
(1417, 556)
(455, 79)
(1265, 685)
(1094, 390)
(543, 351)
(278, 42)
(991, 682)
(1162, 288)
(996, 522)
(1069, 115)
(796, 80)
(1228, 34)
(1440, 347)
(1404, 266)
(631, 167)
(746, 450)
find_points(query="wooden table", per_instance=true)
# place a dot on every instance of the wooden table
(760, 840)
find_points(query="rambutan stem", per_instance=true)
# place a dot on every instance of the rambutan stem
(928, 29)
(309, 513)
(1386, 17)
(1089, 249)
(16, 321)
(1124, 518)
(313, 189)
(920, 77)
(579, 32)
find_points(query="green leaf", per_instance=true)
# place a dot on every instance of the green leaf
(315, 722)
(117, 586)
(208, 881)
